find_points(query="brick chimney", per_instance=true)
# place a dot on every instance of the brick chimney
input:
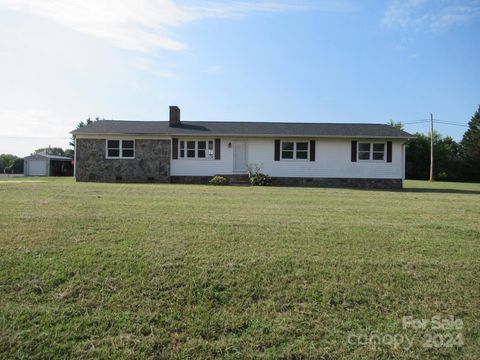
(175, 116)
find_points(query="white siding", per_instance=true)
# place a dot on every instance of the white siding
(333, 159)
(207, 167)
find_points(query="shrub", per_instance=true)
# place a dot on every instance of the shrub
(218, 180)
(256, 177)
(260, 179)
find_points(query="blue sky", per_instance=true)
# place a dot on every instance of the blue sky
(301, 61)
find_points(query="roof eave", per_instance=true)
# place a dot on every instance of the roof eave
(244, 135)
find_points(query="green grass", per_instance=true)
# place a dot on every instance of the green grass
(179, 271)
(441, 185)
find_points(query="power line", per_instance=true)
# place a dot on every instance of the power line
(443, 122)
(416, 122)
(33, 137)
(451, 123)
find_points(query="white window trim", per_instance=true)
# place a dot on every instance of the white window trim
(295, 150)
(371, 151)
(120, 148)
(207, 158)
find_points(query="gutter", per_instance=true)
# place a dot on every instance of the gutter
(246, 135)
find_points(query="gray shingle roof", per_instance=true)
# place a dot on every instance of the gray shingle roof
(218, 128)
(48, 156)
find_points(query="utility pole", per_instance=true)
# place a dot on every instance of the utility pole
(431, 147)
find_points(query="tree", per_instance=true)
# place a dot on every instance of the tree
(69, 153)
(51, 151)
(447, 164)
(8, 162)
(396, 124)
(18, 168)
(471, 149)
(82, 124)
(417, 151)
(447, 160)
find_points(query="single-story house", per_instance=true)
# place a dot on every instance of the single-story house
(313, 154)
(47, 165)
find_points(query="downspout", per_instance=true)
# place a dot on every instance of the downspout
(75, 157)
(403, 164)
(171, 160)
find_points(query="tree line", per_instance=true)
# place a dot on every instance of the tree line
(453, 161)
(12, 164)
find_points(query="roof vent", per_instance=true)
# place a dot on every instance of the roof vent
(175, 116)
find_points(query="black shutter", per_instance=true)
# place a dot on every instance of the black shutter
(389, 151)
(174, 149)
(277, 150)
(312, 150)
(217, 149)
(354, 151)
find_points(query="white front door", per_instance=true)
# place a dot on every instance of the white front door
(240, 156)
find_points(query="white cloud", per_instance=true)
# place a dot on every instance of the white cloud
(214, 70)
(138, 25)
(230, 9)
(33, 123)
(150, 67)
(131, 24)
(433, 15)
(143, 25)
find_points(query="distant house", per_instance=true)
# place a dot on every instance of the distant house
(313, 154)
(47, 165)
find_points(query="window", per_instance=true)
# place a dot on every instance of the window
(113, 148)
(294, 150)
(364, 151)
(128, 148)
(302, 150)
(190, 149)
(287, 150)
(378, 152)
(210, 149)
(371, 151)
(196, 149)
(120, 149)
(202, 149)
(182, 149)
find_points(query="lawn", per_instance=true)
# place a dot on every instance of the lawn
(178, 271)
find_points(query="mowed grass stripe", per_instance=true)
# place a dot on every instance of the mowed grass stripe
(132, 271)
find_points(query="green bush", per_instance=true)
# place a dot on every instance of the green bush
(218, 180)
(255, 175)
(260, 179)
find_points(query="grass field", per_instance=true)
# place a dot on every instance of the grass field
(178, 271)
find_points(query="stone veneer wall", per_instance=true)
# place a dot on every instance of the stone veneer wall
(339, 182)
(203, 180)
(151, 163)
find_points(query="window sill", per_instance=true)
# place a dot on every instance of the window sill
(295, 160)
(120, 158)
(372, 161)
(199, 159)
